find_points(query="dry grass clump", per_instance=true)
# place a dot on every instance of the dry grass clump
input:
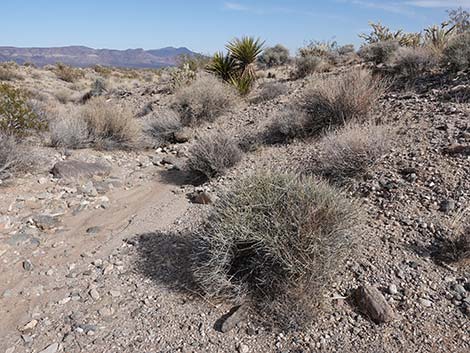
(98, 123)
(68, 129)
(8, 73)
(110, 125)
(268, 91)
(287, 125)
(13, 157)
(162, 126)
(308, 65)
(380, 52)
(277, 241)
(204, 100)
(352, 151)
(457, 52)
(212, 155)
(412, 61)
(334, 100)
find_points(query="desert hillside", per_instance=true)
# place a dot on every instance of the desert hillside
(257, 201)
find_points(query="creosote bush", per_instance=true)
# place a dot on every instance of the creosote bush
(457, 52)
(212, 155)
(204, 100)
(352, 151)
(162, 126)
(16, 115)
(276, 241)
(334, 100)
(274, 56)
(67, 73)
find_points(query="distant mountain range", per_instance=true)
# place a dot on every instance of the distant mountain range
(83, 56)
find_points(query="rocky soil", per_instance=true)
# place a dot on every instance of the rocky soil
(96, 259)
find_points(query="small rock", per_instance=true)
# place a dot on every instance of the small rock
(115, 293)
(45, 222)
(94, 294)
(93, 230)
(181, 137)
(202, 198)
(51, 348)
(77, 169)
(243, 348)
(233, 318)
(27, 265)
(392, 289)
(373, 304)
(447, 206)
(29, 326)
(425, 302)
(27, 339)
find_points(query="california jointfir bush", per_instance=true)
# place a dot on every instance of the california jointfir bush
(410, 62)
(276, 241)
(274, 56)
(379, 52)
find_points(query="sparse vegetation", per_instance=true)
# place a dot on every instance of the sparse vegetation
(269, 91)
(16, 116)
(308, 65)
(379, 52)
(97, 123)
(436, 38)
(212, 155)
(288, 124)
(7, 73)
(352, 151)
(381, 33)
(410, 62)
(13, 157)
(333, 101)
(277, 241)
(457, 52)
(274, 56)
(162, 127)
(203, 101)
(67, 73)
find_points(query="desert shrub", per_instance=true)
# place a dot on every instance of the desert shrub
(308, 65)
(68, 129)
(457, 52)
(103, 70)
(98, 88)
(412, 61)
(322, 49)
(276, 241)
(379, 52)
(288, 124)
(460, 19)
(352, 151)
(275, 56)
(13, 157)
(68, 73)
(162, 126)
(16, 116)
(64, 95)
(110, 125)
(332, 101)
(212, 155)
(269, 91)
(436, 38)
(204, 100)
(346, 49)
(195, 62)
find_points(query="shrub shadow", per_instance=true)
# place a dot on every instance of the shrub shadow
(165, 257)
(180, 177)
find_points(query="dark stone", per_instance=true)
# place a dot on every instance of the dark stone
(447, 206)
(45, 222)
(372, 303)
(77, 169)
(230, 320)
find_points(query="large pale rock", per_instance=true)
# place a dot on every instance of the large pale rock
(373, 304)
(77, 169)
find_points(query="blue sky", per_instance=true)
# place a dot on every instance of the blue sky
(205, 26)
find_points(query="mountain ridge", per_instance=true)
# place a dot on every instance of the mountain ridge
(83, 56)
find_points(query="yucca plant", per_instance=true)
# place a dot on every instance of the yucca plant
(245, 51)
(223, 66)
(238, 66)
